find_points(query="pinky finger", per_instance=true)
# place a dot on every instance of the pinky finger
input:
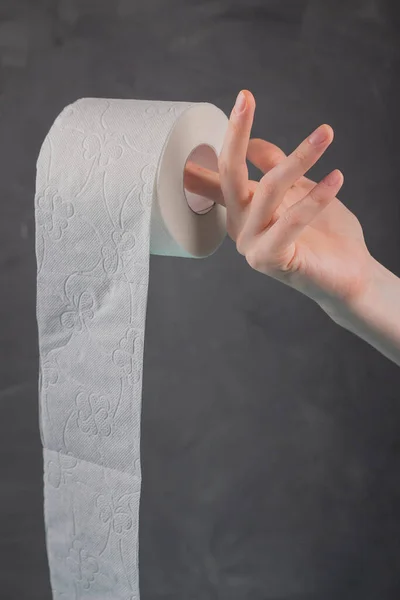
(291, 223)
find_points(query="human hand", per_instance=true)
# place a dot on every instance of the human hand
(286, 225)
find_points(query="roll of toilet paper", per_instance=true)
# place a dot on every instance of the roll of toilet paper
(109, 191)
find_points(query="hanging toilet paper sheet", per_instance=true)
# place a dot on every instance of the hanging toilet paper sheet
(109, 191)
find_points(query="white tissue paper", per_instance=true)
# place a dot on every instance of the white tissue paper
(109, 190)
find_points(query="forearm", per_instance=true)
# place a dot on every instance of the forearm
(375, 316)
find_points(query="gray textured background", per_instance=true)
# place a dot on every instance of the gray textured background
(271, 437)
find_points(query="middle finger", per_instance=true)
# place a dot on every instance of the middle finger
(274, 184)
(290, 169)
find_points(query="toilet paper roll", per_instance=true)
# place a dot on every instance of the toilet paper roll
(109, 190)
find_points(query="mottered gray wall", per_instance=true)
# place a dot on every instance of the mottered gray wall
(270, 436)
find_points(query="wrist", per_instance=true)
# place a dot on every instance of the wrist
(361, 303)
(342, 309)
(374, 313)
(380, 294)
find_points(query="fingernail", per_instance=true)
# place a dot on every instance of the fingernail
(332, 178)
(240, 103)
(318, 136)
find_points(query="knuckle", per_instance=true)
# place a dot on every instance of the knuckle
(300, 155)
(292, 218)
(315, 194)
(318, 194)
(268, 186)
(236, 129)
(252, 259)
(241, 244)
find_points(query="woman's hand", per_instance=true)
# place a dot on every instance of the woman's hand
(286, 225)
(291, 228)
(297, 231)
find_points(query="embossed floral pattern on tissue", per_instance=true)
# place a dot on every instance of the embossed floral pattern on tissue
(53, 212)
(83, 567)
(94, 415)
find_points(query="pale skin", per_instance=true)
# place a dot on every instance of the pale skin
(298, 232)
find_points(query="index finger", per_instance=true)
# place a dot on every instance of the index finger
(203, 181)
